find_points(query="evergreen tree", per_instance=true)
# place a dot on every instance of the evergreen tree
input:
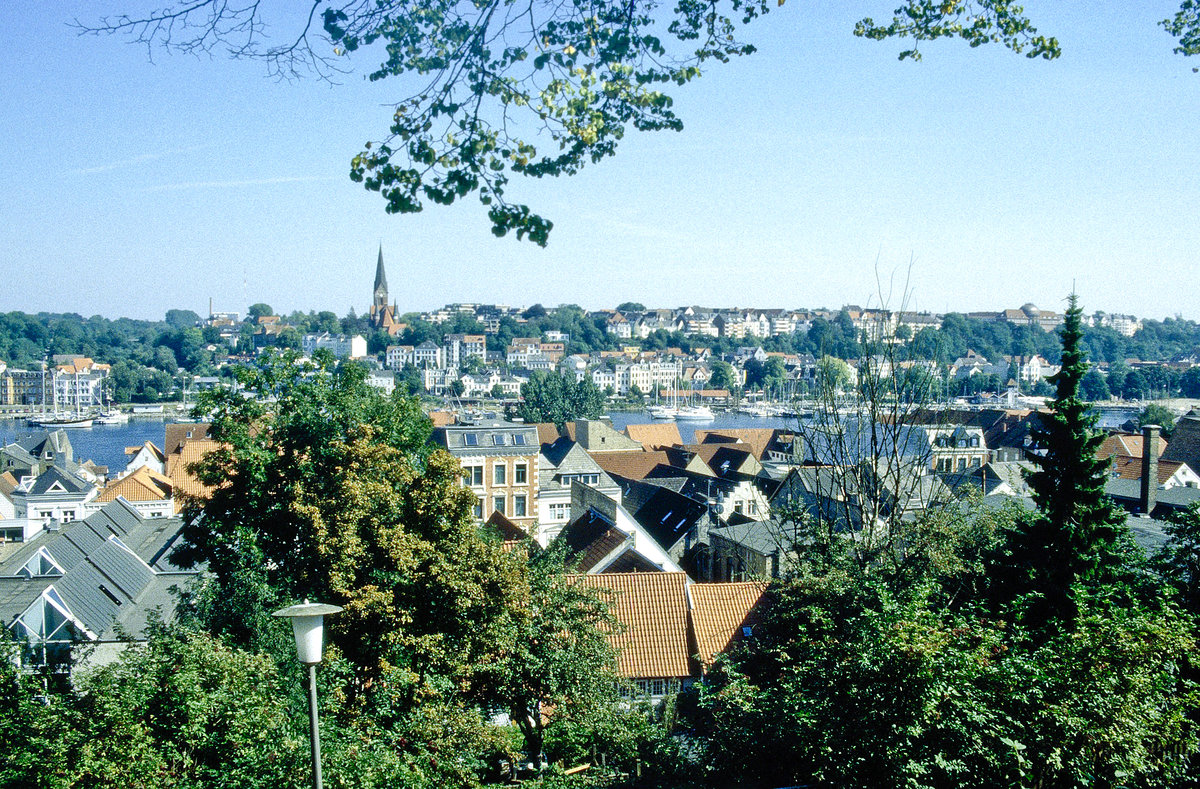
(1077, 533)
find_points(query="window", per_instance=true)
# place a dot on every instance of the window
(497, 439)
(520, 474)
(473, 476)
(478, 508)
(498, 504)
(519, 507)
(499, 474)
(519, 440)
(560, 512)
(471, 439)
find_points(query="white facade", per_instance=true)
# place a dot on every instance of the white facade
(339, 345)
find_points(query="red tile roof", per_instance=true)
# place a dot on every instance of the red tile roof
(719, 613)
(655, 435)
(653, 612)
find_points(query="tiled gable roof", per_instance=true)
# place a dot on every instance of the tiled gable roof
(720, 611)
(144, 484)
(1130, 444)
(1126, 467)
(652, 610)
(632, 465)
(655, 435)
(175, 435)
(756, 439)
(179, 462)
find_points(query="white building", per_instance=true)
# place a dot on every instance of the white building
(339, 345)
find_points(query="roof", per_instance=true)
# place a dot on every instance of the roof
(175, 435)
(58, 480)
(151, 447)
(1130, 444)
(505, 528)
(1129, 468)
(652, 610)
(143, 484)
(655, 435)
(632, 465)
(720, 611)
(665, 515)
(488, 438)
(756, 439)
(179, 462)
(591, 538)
(1185, 441)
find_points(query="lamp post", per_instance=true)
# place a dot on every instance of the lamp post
(308, 626)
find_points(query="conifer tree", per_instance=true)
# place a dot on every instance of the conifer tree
(1077, 533)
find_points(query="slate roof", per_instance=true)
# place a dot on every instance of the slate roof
(1128, 493)
(57, 480)
(652, 609)
(176, 435)
(720, 612)
(665, 515)
(1185, 441)
(590, 538)
(496, 437)
(113, 571)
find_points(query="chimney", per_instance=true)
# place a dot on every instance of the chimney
(1149, 468)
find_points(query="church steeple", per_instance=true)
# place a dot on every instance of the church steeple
(381, 289)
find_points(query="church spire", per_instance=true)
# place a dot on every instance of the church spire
(380, 279)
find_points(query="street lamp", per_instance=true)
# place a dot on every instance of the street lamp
(308, 626)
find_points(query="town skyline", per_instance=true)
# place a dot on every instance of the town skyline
(136, 187)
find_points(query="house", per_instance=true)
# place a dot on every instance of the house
(500, 466)
(79, 382)
(654, 643)
(1185, 441)
(94, 582)
(562, 464)
(340, 345)
(145, 456)
(55, 495)
(149, 492)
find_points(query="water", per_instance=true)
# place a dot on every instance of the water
(687, 430)
(103, 444)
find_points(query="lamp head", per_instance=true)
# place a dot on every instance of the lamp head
(308, 626)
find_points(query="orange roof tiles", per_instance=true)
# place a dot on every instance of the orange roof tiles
(1126, 467)
(653, 612)
(174, 435)
(655, 435)
(754, 439)
(441, 418)
(1130, 444)
(719, 613)
(143, 484)
(178, 462)
(634, 464)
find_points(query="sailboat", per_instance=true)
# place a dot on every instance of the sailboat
(69, 420)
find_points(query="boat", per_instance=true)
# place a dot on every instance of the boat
(694, 413)
(66, 421)
(111, 418)
(663, 411)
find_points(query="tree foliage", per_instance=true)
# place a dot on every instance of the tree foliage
(550, 397)
(497, 88)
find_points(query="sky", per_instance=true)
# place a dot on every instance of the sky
(818, 172)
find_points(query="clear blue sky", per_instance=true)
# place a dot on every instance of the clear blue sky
(132, 187)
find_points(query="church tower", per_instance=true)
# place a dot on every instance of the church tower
(380, 301)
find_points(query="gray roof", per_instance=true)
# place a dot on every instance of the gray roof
(489, 438)
(56, 475)
(114, 571)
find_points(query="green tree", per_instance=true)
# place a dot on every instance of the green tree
(631, 306)
(332, 492)
(182, 319)
(497, 392)
(1155, 414)
(549, 397)
(1077, 534)
(722, 376)
(259, 310)
(561, 666)
(1189, 382)
(1093, 387)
